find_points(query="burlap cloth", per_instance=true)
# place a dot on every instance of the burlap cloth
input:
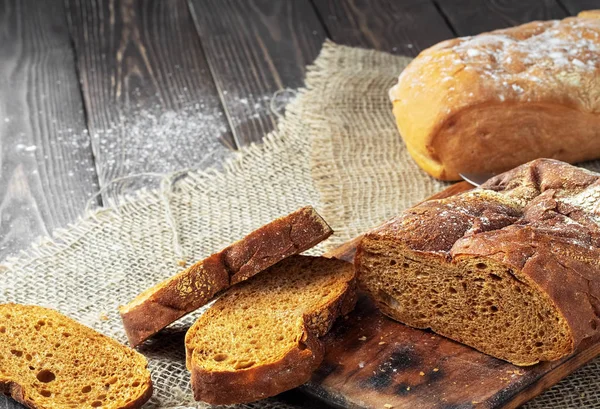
(337, 149)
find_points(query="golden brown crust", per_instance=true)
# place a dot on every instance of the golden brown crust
(494, 101)
(17, 392)
(172, 299)
(194, 287)
(540, 221)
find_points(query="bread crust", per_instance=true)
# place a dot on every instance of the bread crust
(483, 104)
(194, 287)
(538, 220)
(292, 369)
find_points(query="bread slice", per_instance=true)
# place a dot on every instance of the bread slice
(262, 337)
(50, 361)
(511, 269)
(194, 287)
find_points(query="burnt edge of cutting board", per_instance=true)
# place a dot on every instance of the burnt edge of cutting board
(372, 361)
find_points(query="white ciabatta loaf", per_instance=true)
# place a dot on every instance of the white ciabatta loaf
(496, 100)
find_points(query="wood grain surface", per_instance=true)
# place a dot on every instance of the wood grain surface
(373, 361)
(469, 17)
(257, 48)
(575, 6)
(152, 104)
(399, 27)
(47, 170)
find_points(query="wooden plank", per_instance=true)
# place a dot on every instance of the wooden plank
(151, 101)
(372, 361)
(575, 6)
(47, 169)
(399, 27)
(257, 48)
(469, 17)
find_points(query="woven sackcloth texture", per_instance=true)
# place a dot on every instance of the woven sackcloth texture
(336, 148)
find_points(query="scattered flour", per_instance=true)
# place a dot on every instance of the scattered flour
(20, 147)
(255, 106)
(588, 200)
(560, 53)
(159, 142)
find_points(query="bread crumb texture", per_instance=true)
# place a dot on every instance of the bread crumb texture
(511, 269)
(50, 361)
(265, 330)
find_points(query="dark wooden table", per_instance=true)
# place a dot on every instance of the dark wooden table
(83, 81)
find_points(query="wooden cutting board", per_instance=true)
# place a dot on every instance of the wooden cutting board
(373, 361)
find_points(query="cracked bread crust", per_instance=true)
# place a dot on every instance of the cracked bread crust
(194, 287)
(538, 224)
(490, 102)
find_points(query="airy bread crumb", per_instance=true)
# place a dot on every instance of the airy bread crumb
(262, 337)
(48, 360)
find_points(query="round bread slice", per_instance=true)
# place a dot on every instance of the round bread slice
(50, 361)
(262, 337)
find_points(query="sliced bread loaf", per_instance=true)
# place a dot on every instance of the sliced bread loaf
(50, 361)
(194, 287)
(511, 269)
(262, 337)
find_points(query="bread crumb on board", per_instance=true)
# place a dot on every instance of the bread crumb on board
(388, 406)
(363, 338)
(382, 343)
(422, 373)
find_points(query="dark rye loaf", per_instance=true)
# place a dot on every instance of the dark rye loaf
(194, 287)
(511, 269)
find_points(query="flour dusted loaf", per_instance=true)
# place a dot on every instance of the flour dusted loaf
(262, 337)
(497, 100)
(511, 269)
(50, 361)
(194, 287)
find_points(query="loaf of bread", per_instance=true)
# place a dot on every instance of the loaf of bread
(194, 287)
(262, 337)
(49, 361)
(494, 101)
(511, 268)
